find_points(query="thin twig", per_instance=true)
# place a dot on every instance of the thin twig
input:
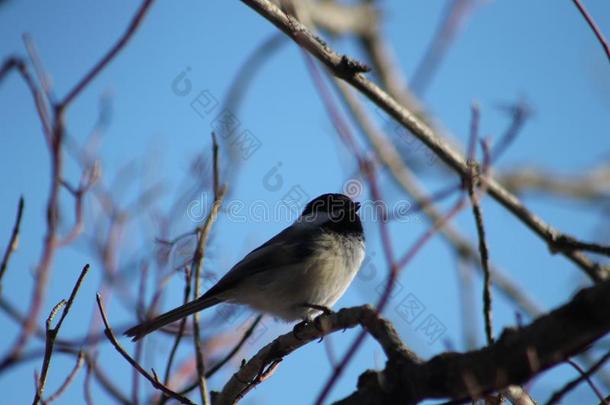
(471, 183)
(52, 332)
(197, 265)
(559, 394)
(172, 353)
(228, 356)
(66, 347)
(80, 360)
(596, 30)
(454, 15)
(39, 101)
(586, 377)
(520, 112)
(135, 387)
(13, 241)
(110, 55)
(155, 383)
(87, 383)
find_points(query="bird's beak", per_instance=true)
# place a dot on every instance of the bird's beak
(357, 204)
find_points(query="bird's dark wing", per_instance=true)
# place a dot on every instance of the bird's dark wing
(289, 247)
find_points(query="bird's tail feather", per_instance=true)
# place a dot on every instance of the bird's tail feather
(182, 311)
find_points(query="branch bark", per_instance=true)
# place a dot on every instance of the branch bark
(517, 356)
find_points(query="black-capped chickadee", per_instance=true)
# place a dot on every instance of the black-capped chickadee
(295, 275)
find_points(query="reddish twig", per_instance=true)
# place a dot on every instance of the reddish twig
(88, 179)
(228, 356)
(564, 242)
(39, 101)
(110, 55)
(453, 19)
(596, 30)
(519, 112)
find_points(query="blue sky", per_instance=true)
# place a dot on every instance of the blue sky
(540, 51)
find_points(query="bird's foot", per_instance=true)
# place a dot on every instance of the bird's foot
(316, 322)
(322, 308)
(298, 328)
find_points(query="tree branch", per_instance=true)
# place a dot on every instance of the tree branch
(351, 71)
(383, 331)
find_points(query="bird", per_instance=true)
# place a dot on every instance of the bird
(296, 275)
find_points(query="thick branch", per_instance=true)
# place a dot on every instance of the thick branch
(517, 356)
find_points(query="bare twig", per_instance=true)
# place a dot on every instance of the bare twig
(110, 55)
(80, 360)
(596, 30)
(209, 373)
(87, 383)
(155, 382)
(66, 347)
(520, 112)
(564, 242)
(586, 377)
(454, 15)
(559, 394)
(13, 241)
(88, 178)
(172, 353)
(197, 264)
(471, 183)
(52, 332)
